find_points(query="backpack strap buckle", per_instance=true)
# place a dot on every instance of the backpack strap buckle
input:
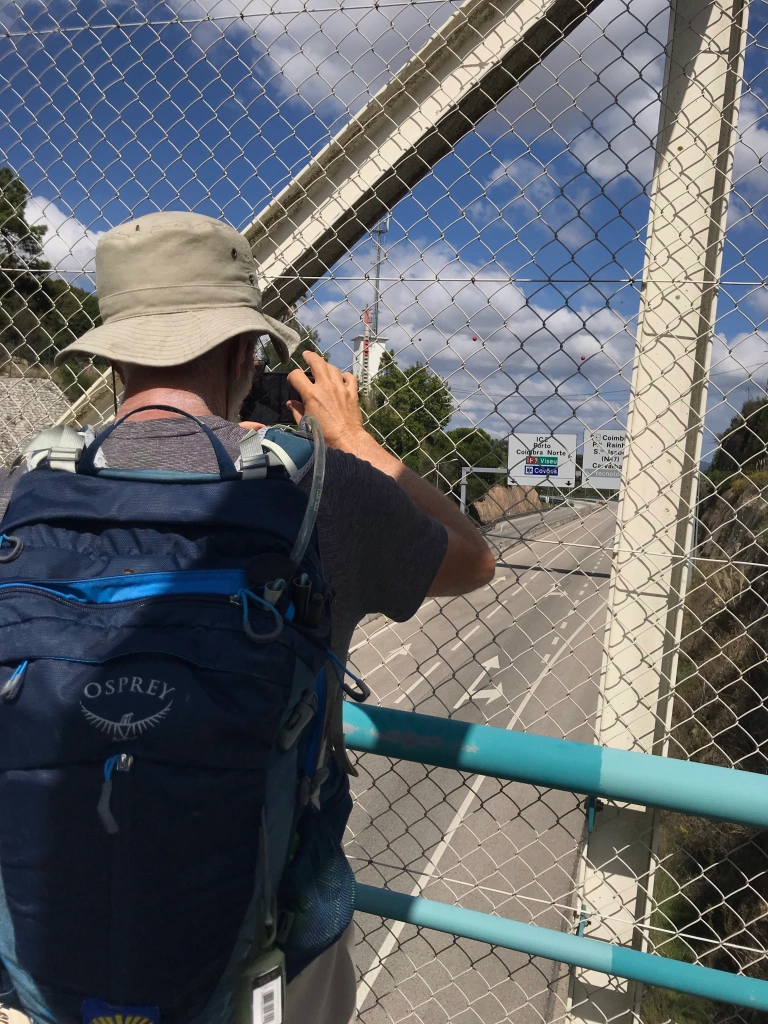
(60, 445)
(254, 461)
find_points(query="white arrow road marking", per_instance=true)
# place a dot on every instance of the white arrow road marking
(422, 679)
(401, 650)
(393, 935)
(463, 640)
(368, 639)
(491, 663)
(495, 583)
(395, 654)
(489, 695)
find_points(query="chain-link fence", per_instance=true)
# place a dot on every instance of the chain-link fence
(510, 218)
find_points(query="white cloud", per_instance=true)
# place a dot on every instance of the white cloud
(507, 357)
(595, 98)
(320, 49)
(599, 92)
(748, 169)
(68, 245)
(739, 360)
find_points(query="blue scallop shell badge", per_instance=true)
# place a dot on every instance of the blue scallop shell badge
(96, 1011)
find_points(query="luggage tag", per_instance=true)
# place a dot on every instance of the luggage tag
(261, 999)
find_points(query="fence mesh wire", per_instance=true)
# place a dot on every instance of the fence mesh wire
(500, 297)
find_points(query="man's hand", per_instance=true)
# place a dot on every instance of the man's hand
(332, 400)
(468, 563)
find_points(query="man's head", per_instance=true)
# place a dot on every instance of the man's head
(179, 297)
(221, 377)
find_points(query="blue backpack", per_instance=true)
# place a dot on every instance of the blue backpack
(163, 714)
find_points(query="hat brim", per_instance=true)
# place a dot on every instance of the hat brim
(169, 339)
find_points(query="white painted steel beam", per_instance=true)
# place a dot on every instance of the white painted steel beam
(692, 181)
(484, 50)
(95, 405)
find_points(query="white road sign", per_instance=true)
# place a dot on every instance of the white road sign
(536, 459)
(603, 458)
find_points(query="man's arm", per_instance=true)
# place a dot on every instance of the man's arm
(332, 399)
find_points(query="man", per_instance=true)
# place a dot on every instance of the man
(181, 317)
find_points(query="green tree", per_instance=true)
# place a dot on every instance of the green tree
(743, 446)
(473, 446)
(39, 313)
(407, 411)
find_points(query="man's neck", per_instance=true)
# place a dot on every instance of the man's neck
(177, 398)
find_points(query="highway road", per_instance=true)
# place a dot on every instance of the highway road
(523, 653)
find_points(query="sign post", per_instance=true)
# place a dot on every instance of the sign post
(542, 459)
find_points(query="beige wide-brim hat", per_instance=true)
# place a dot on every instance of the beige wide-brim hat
(172, 286)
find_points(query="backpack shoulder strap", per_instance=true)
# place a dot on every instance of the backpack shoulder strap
(273, 446)
(60, 445)
(253, 461)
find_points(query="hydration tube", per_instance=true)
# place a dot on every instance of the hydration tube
(315, 493)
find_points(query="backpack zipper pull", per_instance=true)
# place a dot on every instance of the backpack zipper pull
(11, 687)
(123, 763)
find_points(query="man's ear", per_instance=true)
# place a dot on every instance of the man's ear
(244, 347)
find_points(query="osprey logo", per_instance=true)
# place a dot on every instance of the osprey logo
(109, 700)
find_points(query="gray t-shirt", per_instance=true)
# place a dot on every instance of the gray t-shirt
(379, 551)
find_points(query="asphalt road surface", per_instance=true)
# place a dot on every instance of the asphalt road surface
(523, 653)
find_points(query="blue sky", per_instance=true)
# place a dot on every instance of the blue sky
(528, 237)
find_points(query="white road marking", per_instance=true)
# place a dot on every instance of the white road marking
(422, 679)
(491, 663)
(491, 694)
(368, 639)
(496, 609)
(493, 583)
(463, 640)
(395, 654)
(401, 650)
(391, 940)
(393, 936)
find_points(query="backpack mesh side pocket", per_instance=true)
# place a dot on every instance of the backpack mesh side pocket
(317, 890)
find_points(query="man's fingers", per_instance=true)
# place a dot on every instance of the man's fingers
(297, 409)
(301, 383)
(350, 381)
(334, 372)
(251, 425)
(316, 363)
(321, 369)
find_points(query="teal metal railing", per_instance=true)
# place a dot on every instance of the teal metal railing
(684, 786)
